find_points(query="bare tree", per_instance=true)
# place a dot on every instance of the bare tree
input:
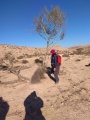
(50, 25)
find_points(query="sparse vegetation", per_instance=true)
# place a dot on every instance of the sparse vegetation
(8, 56)
(20, 57)
(69, 99)
(81, 51)
(24, 61)
(65, 55)
(38, 61)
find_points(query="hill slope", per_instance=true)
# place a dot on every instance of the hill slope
(67, 100)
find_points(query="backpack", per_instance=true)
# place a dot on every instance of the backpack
(58, 60)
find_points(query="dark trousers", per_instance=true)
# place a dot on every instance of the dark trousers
(56, 73)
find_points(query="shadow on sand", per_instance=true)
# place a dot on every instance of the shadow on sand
(33, 104)
(4, 107)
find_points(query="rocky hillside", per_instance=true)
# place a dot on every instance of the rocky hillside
(18, 51)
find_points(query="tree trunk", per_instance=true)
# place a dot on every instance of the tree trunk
(47, 47)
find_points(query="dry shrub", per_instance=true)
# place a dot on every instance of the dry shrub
(38, 61)
(10, 57)
(65, 55)
(1, 61)
(3, 67)
(29, 56)
(77, 60)
(79, 51)
(20, 57)
(24, 61)
(38, 75)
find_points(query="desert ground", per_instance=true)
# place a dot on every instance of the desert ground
(27, 92)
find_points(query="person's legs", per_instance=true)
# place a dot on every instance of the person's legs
(49, 72)
(56, 73)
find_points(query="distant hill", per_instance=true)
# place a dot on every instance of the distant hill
(21, 50)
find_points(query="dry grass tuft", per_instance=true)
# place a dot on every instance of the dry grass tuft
(38, 61)
(24, 61)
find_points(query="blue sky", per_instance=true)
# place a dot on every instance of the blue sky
(16, 19)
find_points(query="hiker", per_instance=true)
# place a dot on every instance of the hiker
(55, 66)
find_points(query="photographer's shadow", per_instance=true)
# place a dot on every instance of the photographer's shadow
(4, 107)
(33, 104)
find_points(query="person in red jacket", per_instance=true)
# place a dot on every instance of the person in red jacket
(55, 65)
